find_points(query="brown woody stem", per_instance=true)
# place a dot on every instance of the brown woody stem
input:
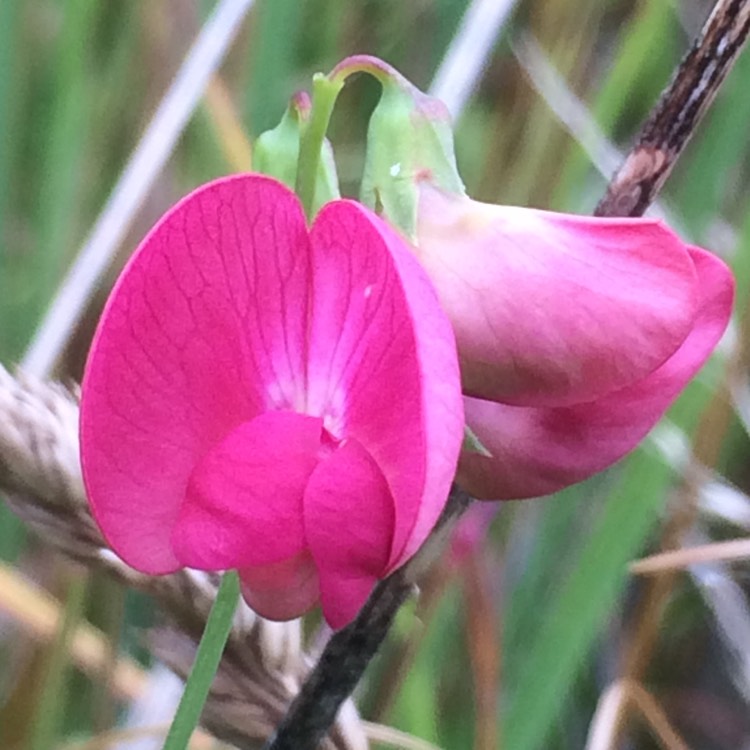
(679, 110)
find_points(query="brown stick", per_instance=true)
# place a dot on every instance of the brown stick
(678, 112)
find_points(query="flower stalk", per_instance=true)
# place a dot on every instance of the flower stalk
(325, 93)
(207, 658)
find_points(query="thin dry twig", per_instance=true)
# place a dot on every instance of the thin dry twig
(679, 559)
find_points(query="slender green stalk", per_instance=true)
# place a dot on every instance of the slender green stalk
(325, 92)
(206, 663)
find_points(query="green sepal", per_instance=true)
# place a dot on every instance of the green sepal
(276, 153)
(409, 139)
(472, 444)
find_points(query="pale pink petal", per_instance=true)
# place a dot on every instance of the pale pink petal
(552, 309)
(204, 330)
(539, 451)
(382, 365)
(282, 590)
(349, 523)
(243, 504)
(471, 531)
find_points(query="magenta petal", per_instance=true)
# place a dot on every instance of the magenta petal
(382, 365)
(539, 451)
(537, 298)
(205, 329)
(243, 505)
(349, 521)
(282, 590)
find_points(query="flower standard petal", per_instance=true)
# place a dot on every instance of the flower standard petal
(537, 298)
(537, 451)
(204, 330)
(382, 364)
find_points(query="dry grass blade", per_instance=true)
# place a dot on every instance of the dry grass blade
(263, 666)
(39, 613)
(735, 549)
(603, 729)
(107, 740)
(466, 58)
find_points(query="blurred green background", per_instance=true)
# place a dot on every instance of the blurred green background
(514, 644)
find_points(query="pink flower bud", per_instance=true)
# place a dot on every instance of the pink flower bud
(575, 334)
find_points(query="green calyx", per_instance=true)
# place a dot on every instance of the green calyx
(277, 154)
(409, 140)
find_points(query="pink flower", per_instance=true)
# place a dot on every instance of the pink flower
(574, 334)
(263, 398)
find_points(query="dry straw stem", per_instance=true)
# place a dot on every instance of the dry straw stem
(264, 664)
(231, 135)
(39, 614)
(679, 559)
(108, 740)
(603, 729)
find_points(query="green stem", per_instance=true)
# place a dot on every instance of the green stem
(207, 659)
(325, 92)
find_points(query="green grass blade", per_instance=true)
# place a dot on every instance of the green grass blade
(641, 66)
(272, 62)
(705, 180)
(571, 618)
(10, 35)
